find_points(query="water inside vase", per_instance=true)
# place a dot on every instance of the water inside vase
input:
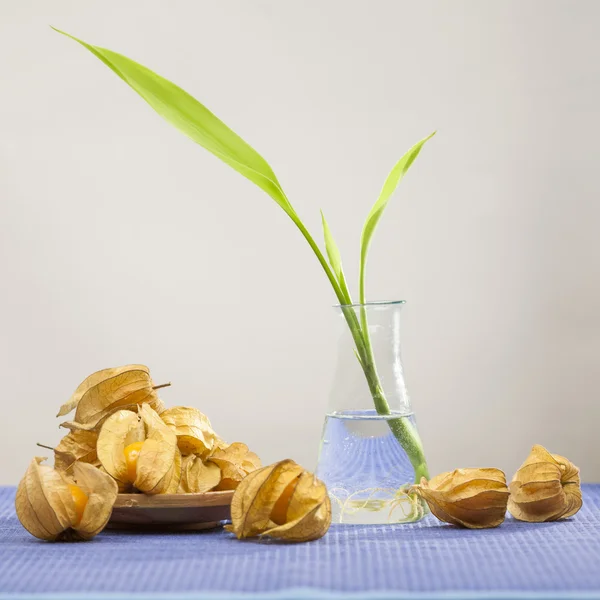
(366, 470)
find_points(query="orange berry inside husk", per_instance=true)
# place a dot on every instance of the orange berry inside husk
(80, 499)
(132, 453)
(279, 512)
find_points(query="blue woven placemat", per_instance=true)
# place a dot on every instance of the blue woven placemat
(425, 560)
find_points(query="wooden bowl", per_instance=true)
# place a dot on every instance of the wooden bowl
(171, 511)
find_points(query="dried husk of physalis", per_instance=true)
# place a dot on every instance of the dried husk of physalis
(220, 444)
(109, 390)
(55, 506)
(194, 432)
(546, 487)
(282, 501)
(124, 488)
(198, 476)
(235, 462)
(473, 498)
(155, 465)
(76, 446)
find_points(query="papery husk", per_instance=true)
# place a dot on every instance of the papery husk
(159, 460)
(45, 506)
(76, 446)
(93, 380)
(43, 502)
(308, 514)
(473, 498)
(235, 462)
(194, 432)
(220, 444)
(547, 487)
(118, 431)
(155, 404)
(124, 488)
(107, 391)
(305, 515)
(101, 491)
(197, 476)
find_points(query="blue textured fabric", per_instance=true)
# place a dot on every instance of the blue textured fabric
(425, 560)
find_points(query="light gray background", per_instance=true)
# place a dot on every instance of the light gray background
(121, 241)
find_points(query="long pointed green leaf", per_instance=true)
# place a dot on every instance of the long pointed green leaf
(335, 259)
(193, 119)
(392, 181)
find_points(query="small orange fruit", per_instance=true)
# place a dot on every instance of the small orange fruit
(80, 499)
(132, 453)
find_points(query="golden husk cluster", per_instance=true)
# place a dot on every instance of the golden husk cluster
(545, 488)
(48, 509)
(282, 501)
(474, 498)
(123, 439)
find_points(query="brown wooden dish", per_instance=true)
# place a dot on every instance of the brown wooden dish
(171, 511)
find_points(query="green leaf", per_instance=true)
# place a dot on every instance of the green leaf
(392, 181)
(335, 259)
(193, 119)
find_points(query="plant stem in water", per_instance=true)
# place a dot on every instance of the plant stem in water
(403, 430)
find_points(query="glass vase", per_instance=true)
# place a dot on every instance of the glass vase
(370, 451)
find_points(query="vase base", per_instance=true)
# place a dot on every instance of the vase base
(367, 471)
(376, 507)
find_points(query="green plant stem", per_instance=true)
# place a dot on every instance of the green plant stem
(408, 437)
(403, 430)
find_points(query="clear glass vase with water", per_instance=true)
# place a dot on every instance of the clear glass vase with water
(371, 452)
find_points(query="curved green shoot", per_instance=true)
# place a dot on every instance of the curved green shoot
(335, 259)
(391, 183)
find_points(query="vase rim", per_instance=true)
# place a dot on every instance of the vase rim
(371, 303)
